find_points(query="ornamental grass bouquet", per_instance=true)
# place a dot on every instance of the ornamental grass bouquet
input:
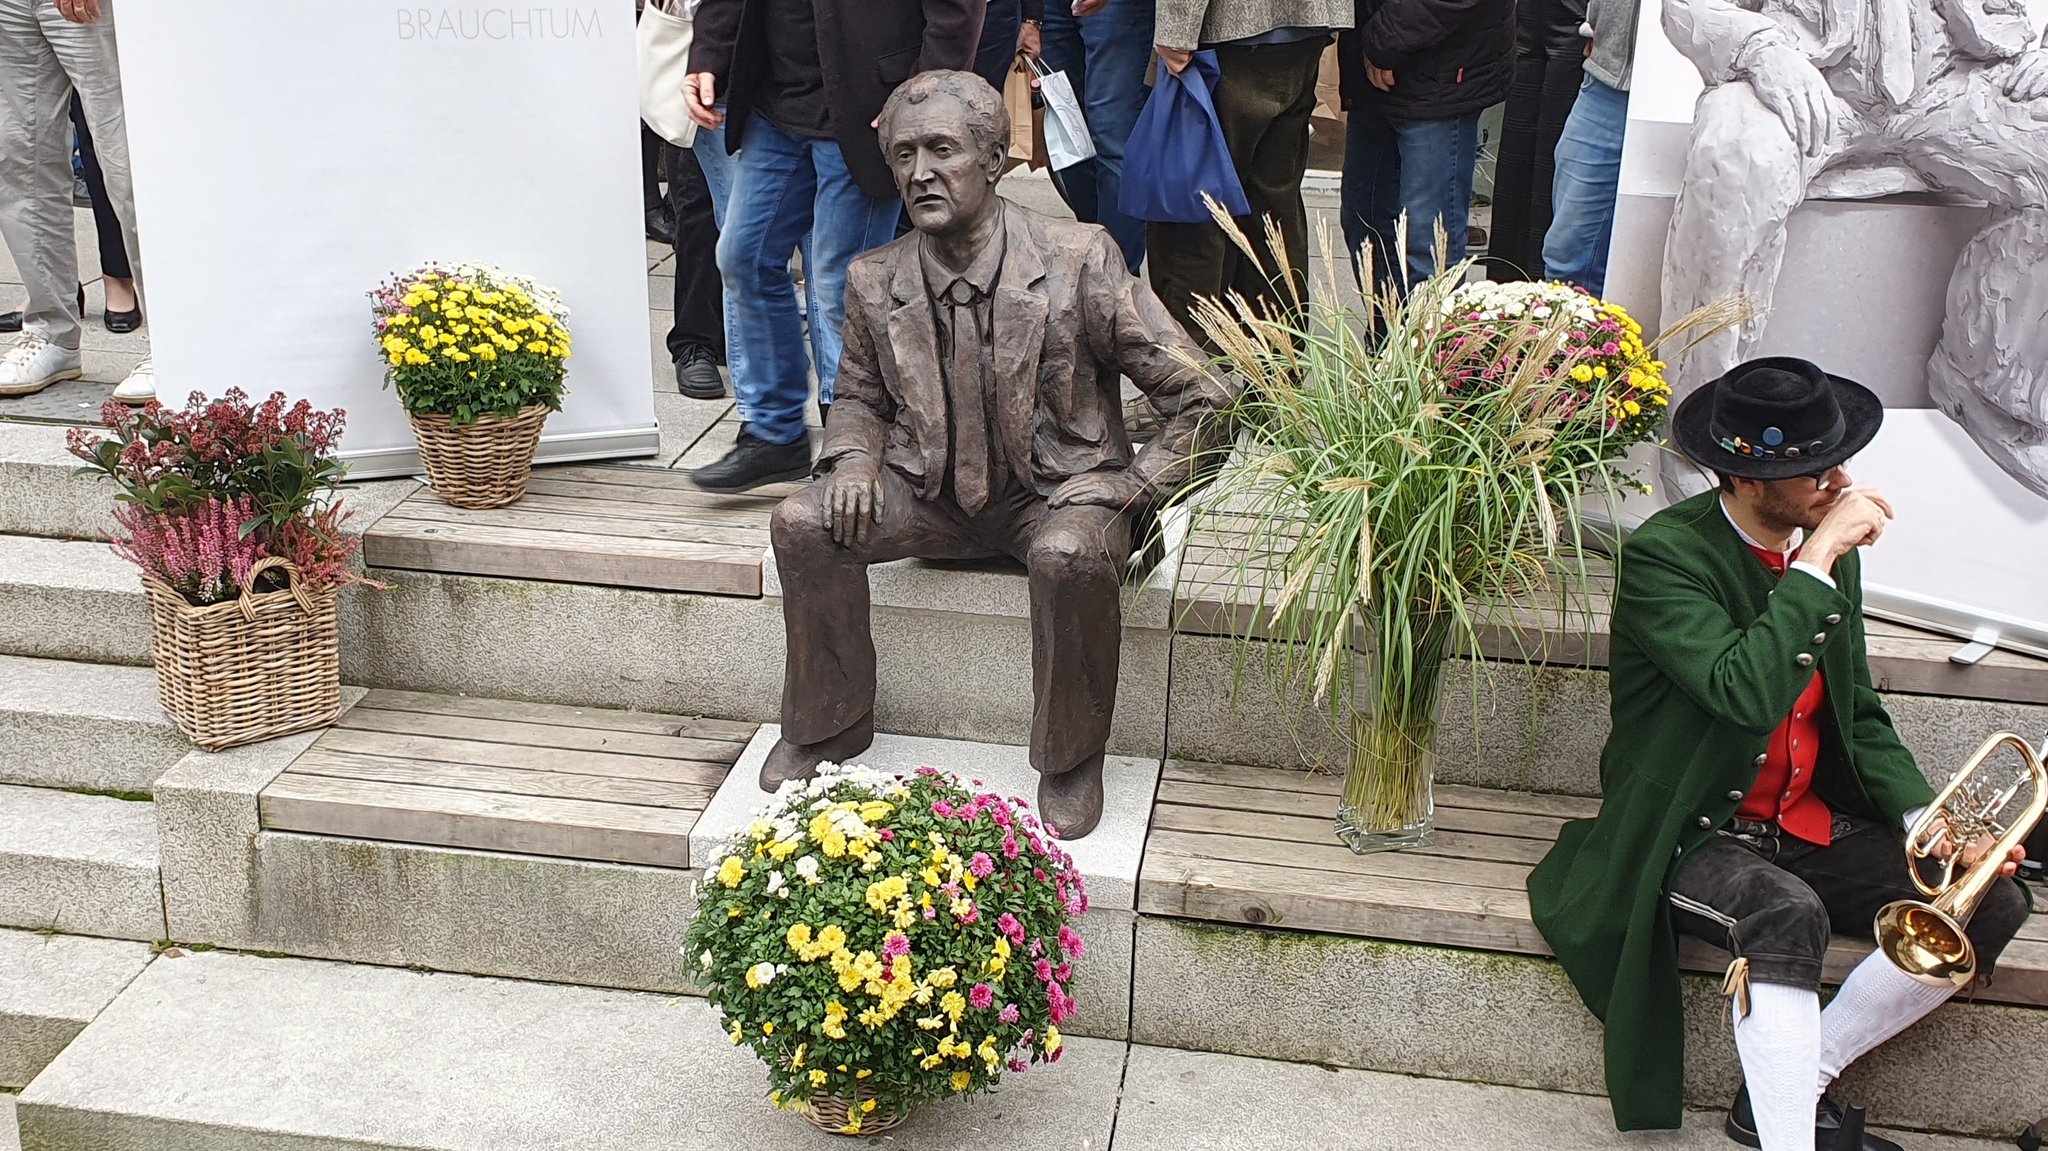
(1408, 474)
(209, 490)
(882, 940)
(471, 341)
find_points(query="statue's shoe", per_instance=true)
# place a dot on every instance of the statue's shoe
(1071, 802)
(787, 761)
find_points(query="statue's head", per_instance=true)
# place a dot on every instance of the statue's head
(945, 135)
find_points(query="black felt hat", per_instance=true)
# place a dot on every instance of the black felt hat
(1774, 419)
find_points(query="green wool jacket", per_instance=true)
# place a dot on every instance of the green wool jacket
(1709, 652)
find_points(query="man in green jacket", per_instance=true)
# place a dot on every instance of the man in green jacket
(1755, 793)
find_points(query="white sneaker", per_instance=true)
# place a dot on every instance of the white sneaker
(34, 363)
(140, 386)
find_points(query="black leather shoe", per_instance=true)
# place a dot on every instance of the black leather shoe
(753, 462)
(661, 225)
(697, 374)
(10, 321)
(127, 321)
(1827, 1120)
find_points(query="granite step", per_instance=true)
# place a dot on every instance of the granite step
(312, 1056)
(41, 490)
(71, 599)
(51, 986)
(81, 864)
(86, 726)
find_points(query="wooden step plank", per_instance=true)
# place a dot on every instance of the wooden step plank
(435, 749)
(1317, 783)
(564, 557)
(1299, 803)
(668, 481)
(1339, 860)
(653, 508)
(703, 507)
(598, 718)
(478, 820)
(540, 735)
(616, 525)
(1322, 830)
(504, 780)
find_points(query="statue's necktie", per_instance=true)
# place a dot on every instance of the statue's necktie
(970, 409)
(1895, 49)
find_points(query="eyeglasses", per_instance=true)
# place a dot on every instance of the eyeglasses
(1820, 479)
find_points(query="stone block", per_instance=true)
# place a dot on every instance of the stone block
(1102, 976)
(207, 823)
(1224, 708)
(93, 727)
(483, 913)
(41, 492)
(51, 986)
(71, 599)
(1515, 1020)
(310, 1056)
(82, 864)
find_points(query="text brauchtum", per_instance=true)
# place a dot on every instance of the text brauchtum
(499, 23)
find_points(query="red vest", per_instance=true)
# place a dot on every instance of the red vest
(1784, 784)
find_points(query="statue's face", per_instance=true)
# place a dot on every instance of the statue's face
(945, 182)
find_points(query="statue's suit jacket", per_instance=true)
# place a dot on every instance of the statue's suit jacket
(1721, 36)
(1068, 319)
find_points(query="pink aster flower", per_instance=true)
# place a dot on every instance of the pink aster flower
(931, 913)
(1043, 969)
(895, 946)
(1017, 1065)
(1070, 941)
(971, 915)
(1000, 814)
(927, 771)
(942, 809)
(1010, 848)
(1009, 1013)
(982, 995)
(980, 866)
(1063, 972)
(887, 835)
(1011, 929)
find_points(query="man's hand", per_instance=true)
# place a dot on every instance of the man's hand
(1382, 78)
(1788, 84)
(700, 99)
(1030, 39)
(1118, 489)
(2028, 79)
(853, 498)
(1856, 520)
(1088, 7)
(1977, 850)
(79, 11)
(1175, 59)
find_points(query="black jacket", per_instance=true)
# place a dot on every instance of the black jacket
(1449, 57)
(866, 48)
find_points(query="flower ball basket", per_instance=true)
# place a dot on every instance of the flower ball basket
(255, 667)
(482, 464)
(887, 942)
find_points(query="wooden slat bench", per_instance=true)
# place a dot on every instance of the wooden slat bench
(492, 775)
(1254, 846)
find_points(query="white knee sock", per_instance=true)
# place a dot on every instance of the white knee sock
(1779, 1042)
(1876, 1002)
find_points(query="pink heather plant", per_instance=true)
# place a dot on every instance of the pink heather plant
(202, 553)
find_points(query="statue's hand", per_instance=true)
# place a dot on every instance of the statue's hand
(853, 497)
(2028, 79)
(1788, 84)
(1118, 489)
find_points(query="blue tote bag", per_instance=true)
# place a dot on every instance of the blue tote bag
(1176, 152)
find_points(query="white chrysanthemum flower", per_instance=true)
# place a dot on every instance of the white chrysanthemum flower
(761, 974)
(807, 868)
(704, 960)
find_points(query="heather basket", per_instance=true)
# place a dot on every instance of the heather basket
(484, 464)
(259, 666)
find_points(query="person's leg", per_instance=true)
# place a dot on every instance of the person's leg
(696, 340)
(1436, 188)
(773, 191)
(35, 171)
(845, 223)
(998, 51)
(1588, 180)
(1062, 48)
(106, 225)
(1856, 875)
(1118, 44)
(1370, 202)
(1514, 164)
(1728, 892)
(1272, 165)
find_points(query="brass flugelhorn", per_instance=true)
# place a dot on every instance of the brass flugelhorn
(1926, 940)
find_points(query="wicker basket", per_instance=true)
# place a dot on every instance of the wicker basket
(262, 665)
(829, 1113)
(482, 464)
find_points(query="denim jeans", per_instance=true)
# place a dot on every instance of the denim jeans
(1104, 56)
(998, 51)
(1588, 176)
(1423, 167)
(784, 187)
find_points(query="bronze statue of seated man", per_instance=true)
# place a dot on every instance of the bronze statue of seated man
(978, 414)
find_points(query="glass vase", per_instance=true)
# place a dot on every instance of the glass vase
(1388, 801)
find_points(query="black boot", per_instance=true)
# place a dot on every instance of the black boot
(753, 462)
(697, 373)
(1827, 1122)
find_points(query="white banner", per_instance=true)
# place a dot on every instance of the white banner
(289, 155)
(1862, 293)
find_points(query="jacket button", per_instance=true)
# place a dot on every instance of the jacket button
(1760, 759)
(1834, 618)
(1804, 659)
(1677, 851)
(1820, 637)
(1736, 796)
(1706, 822)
